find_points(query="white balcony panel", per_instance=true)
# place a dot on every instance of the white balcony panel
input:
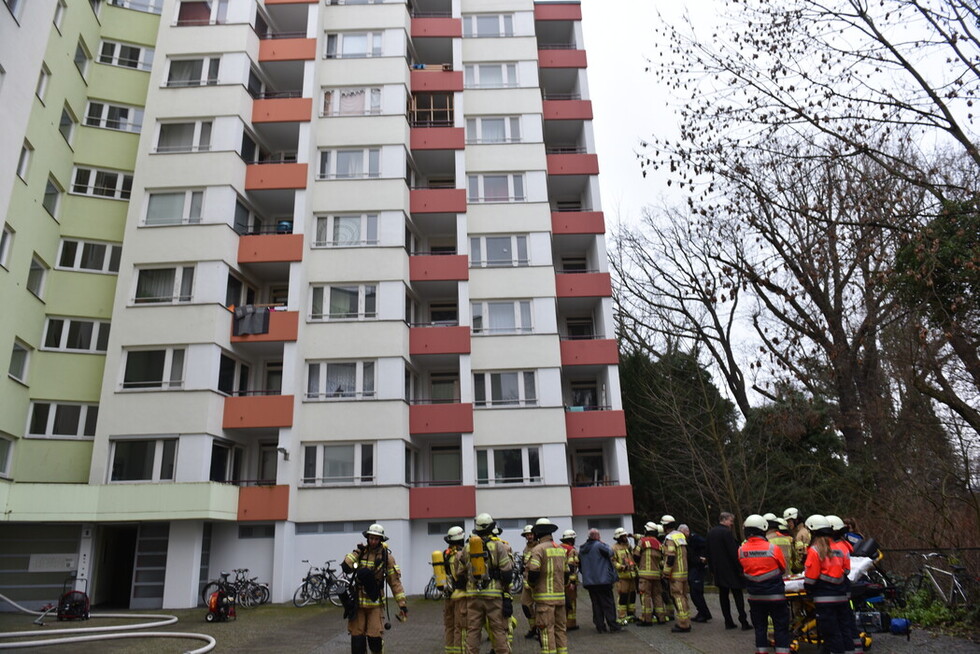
(518, 48)
(340, 131)
(363, 72)
(343, 265)
(518, 427)
(507, 102)
(516, 352)
(367, 17)
(355, 420)
(514, 156)
(493, 283)
(515, 218)
(523, 500)
(359, 196)
(355, 340)
(382, 503)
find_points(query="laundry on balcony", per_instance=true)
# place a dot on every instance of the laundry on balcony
(251, 319)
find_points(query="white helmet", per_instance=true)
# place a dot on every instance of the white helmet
(544, 526)
(770, 517)
(817, 524)
(568, 534)
(835, 522)
(619, 533)
(667, 519)
(375, 530)
(783, 525)
(484, 522)
(792, 513)
(454, 535)
(756, 521)
(528, 529)
(651, 527)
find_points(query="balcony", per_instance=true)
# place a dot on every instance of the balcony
(437, 200)
(283, 327)
(275, 176)
(438, 268)
(282, 110)
(433, 502)
(583, 284)
(436, 27)
(263, 503)
(270, 248)
(295, 49)
(572, 163)
(453, 418)
(436, 78)
(594, 422)
(570, 107)
(438, 138)
(577, 222)
(558, 11)
(589, 352)
(561, 56)
(435, 339)
(258, 412)
(602, 500)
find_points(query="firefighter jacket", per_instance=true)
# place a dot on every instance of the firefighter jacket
(572, 555)
(763, 565)
(547, 571)
(623, 560)
(372, 568)
(826, 579)
(801, 541)
(785, 543)
(500, 570)
(526, 556)
(675, 555)
(649, 557)
(450, 556)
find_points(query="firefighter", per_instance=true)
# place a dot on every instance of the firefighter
(485, 591)
(454, 613)
(626, 570)
(571, 589)
(675, 571)
(800, 533)
(778, 535)
(547, 573)
(825, 577)
(764, 565)
(508, 601)
(527, 600)
(648, 559)
(372, 565)
(838, 541)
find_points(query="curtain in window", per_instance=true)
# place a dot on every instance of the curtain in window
(493, 130)
(176, 137)
(341, 379)
(488, 26)
(164, 208)
(504, 389)
(350, 163)
(375, 101)
(346, 230)
(313, 381)
(186, 285)
(322, 230)
(495, 188)
(355, 45)
(367, 383)
(338, 462)
(499, 251)
(343, 301)
(491, 76)
(185, 72)
(352, 102)
(79, 335)
(93, 256)
(194, 13)
(118, 117)
(501, 317)
(155, 285)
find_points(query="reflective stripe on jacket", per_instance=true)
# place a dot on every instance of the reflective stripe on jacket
(649, 557)
(825, 578)
(623, 561)
(675, 545)
(763, 564)
(382, 562)
(550, 560)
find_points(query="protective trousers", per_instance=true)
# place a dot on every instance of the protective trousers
(761, 612)
(652, 599)
(571, 602)
(453, 617)
(551, 622)
(490, 609)
(832, 620)
(678, 591)
(366, 622)
(527, 605)
(626, 602)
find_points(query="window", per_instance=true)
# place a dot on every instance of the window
(496, 188)
(6, 239)
(175, 208)
(102, 183)
(352, 45)
(52, 196)
(488, 25)
(126, 55)
(588, 467)
(355, 302)
(24, 161)
(6, 455)
(226, 462)
(67, 124)
(202, 12)
(81, 57)
(149, 460)
(490, 76)
(493, 251)
(350, 164)
(193, 72)
(508, 465)
(340, 379)
(346, 231)
(256, 531)
(338, 463)
(149, 6)
(111, 116)
(574, 265)
(164, 285)
(74, 335)
(493, 129)
(89, 256)
(42, 81)
(49, 419)
(351, 102)
(338, 527)
(19, 356)
(59, 13)
(185, 137)
(508, 317)
(431, 110)
(492, 389)
(585, 395)
(579, 328)
(36, 275)
(154, 369)
(232, 376)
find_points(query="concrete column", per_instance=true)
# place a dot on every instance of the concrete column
(182, 581)
(283, 582)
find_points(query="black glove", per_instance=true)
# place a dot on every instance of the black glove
(508, 607)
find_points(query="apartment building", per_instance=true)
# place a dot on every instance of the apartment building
(352, 257)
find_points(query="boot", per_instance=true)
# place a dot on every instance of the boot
(358, 644)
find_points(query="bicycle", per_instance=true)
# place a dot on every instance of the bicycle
(953, 587)
(334, 585)
(321, 584)
(218, 585)
(250, 592)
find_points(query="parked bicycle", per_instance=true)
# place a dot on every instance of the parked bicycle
(321, 584)
(245, 590)
(953, 587)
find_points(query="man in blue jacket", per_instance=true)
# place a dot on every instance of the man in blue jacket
(598, 576)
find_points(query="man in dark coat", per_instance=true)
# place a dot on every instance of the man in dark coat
(727, 571)
(697, 555)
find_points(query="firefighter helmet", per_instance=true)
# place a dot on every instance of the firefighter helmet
(792, 513)
(484, 523)
(770, 517)
(528, 529)
(544, 526)
(375, 530)
(667, 519)
(619, 533)
(454, 535)
(783, 525)
(568, 534)
(818, 525)
(757, 522)
(651, 527)
(835, 522)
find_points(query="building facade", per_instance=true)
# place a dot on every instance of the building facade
(352, 257)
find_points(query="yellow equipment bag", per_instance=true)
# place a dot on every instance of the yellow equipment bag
(478, 556)
(439, 569)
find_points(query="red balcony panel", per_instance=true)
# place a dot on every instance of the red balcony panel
(599, 352)
(263, 503)
(436, 80)
(602, 500)
(573, 164)
(441, 502)
(275, 176)
(567, 109)
(258, 411)
(558, 11)
(577, 222)
(438, 268)
(438, 200)
(583, 285)
(450, 28)
(282, 110)
(438, 138)
(439, 340)
(283, 327)
(270, 248)
(562, 59)
(287, 50)
(440, 418)
(595, 424)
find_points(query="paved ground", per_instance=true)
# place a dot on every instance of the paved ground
(321, 630)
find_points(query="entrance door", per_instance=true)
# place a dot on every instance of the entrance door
(114, 573)
(150, 567)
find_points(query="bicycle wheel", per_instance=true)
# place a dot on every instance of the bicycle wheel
(209, 588)
(337, 588)
(318, 587)
(302, 596)
(517, 584)
(244, 597)
(261, 594)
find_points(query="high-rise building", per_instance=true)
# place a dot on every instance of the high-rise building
(351, 254)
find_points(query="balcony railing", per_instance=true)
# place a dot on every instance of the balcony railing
(557, 46)
(270, 35)
(587, 407)
(562, 96)
(571, 149)
(434, 400)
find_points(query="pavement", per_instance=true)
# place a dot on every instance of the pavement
(322, 630)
